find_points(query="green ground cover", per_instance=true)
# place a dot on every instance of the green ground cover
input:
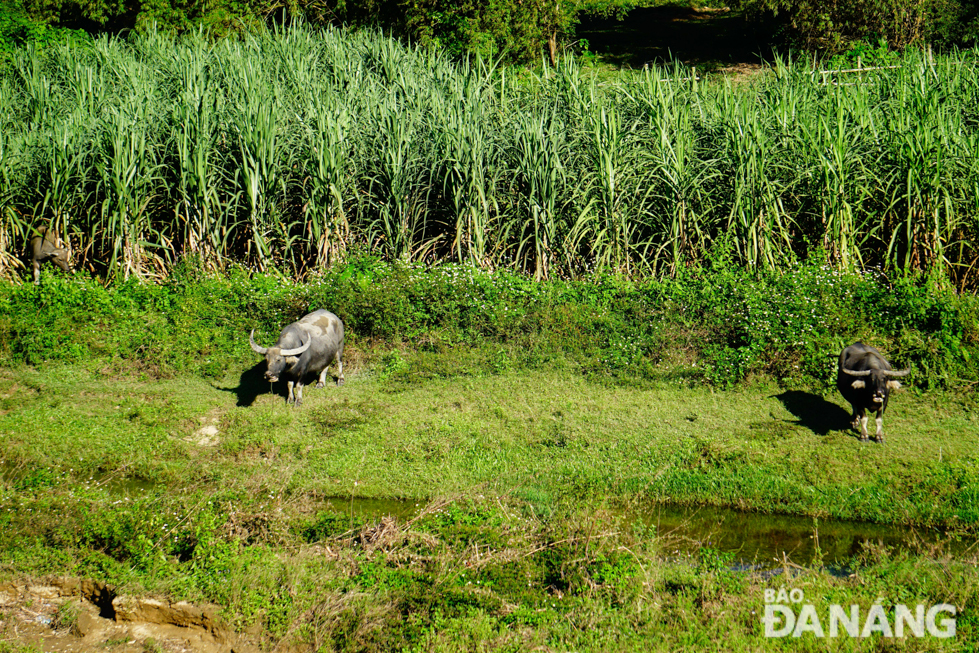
(547, 434)
(519, 542)
(140, 446)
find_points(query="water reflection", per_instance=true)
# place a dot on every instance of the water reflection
(401, 509)
(757, 539)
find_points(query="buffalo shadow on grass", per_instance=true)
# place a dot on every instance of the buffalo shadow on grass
(253, 383)
(814, 412)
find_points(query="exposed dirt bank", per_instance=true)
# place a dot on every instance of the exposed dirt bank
(81, 615)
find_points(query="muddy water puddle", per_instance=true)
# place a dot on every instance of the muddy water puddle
(368, 509)
(757, 540)
(745, 540)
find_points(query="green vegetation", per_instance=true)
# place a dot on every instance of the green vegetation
(616, 381)
(423, 432)
(529, 551)
(562, 295)
(730, 322)
(144, 151)
(18, 29)
(513, 30)
(142, 448)
(507, 29)
(520, 31)
(839, 26)
(489, 575)
(40, 22)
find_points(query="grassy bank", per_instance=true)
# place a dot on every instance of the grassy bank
(546, 435)
(519, 415)
(230, 505)
(476, 572)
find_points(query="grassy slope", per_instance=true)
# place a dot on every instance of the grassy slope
(534, 422)
(547, 434)
(538, 568)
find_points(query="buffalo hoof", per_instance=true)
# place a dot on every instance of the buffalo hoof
(864, 438)
(880, 438)
(320, 384)
(340, 381)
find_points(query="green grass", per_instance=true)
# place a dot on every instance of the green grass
(529, 549)
(296, 148)
(550, 430)
(140, 446)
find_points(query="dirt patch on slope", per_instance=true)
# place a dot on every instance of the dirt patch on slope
(83, 616)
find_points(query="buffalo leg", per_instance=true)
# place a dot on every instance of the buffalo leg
(322, 382)
(860, 421)
(292, 397)
(880, 426)
(340, 378)
(299, 394)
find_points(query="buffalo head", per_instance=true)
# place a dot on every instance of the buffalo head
(277, 359)
(881, 381)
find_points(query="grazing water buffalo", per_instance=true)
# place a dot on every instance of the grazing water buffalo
(866, 379)
(45, 247)
(304, 347)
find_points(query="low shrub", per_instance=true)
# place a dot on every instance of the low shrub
(724, 323)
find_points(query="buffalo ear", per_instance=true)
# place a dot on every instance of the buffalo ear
(858, 384)
(292, 360)
(893, 385)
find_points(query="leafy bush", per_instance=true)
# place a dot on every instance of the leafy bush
(727, 322)
(18, 29)
(839, 26)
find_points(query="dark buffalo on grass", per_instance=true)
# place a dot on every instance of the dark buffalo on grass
(45, 246)
(305, 347)
(866, 379)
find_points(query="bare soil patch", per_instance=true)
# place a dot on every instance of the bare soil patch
(82, 616)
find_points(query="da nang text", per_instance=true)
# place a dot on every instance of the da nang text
(788, 615)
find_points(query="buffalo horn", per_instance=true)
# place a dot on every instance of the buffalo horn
(255, 346)
(893, 374)
(856, 373)
(298, 350)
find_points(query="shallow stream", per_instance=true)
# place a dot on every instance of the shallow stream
(750, 539)
(747, 540)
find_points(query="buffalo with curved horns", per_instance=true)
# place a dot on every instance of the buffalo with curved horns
(305, 347)
(866, 379)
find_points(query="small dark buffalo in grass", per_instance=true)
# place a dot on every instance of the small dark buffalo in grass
(866, 379)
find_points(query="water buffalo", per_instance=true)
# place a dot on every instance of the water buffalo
(304, 347)
(865, 379)
(45, 246)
